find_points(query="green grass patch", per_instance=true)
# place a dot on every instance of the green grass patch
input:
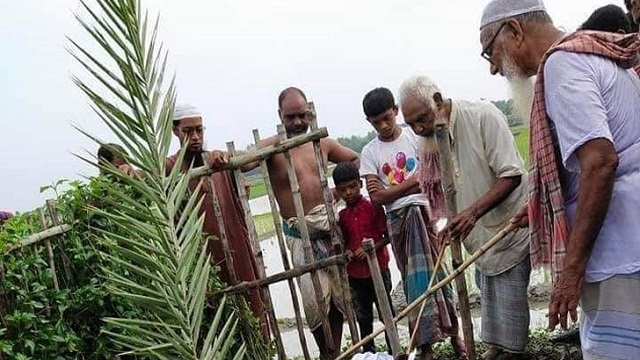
(522, 143)
(258, 189)
(264, 225)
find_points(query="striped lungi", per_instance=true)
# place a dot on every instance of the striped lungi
(610, 325)
(505, 308)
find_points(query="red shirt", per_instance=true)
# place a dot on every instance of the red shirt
(358, 222)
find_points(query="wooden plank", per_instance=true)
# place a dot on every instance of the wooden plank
(47, 243)
(282, 246)
(35, 238)
(66, 262)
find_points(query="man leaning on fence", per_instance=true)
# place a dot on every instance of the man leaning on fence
(584, 181)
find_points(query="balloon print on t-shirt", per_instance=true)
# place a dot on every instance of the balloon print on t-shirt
(400, 170)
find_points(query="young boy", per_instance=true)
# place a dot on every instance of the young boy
(362, 220)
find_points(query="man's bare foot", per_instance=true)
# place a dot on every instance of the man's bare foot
(492, 353)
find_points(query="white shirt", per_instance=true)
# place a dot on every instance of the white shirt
(393, 162)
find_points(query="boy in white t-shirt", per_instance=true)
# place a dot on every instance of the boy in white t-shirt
(389, 165)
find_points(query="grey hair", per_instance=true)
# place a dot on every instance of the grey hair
(421, 87)
(530, 18)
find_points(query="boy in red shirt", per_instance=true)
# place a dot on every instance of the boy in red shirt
(361, 220)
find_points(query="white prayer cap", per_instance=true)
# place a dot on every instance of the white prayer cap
(497, 10)
(183, 111)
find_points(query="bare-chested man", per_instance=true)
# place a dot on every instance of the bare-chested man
(295, 116)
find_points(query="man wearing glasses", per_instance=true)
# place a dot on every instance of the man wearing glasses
(584, 183)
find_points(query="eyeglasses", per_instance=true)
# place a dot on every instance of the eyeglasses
(488, 50)
(189, 130)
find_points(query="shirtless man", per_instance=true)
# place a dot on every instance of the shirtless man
(294, 113)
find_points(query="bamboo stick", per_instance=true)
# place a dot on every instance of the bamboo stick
(455, 273)
(66, 262)
(263, 153)
(383, 300)
(446, 165)
(47, 243)
(335, 234)
(306, 243)
(285, 275)
(35, 238)
(424, 302)
(282, 246)
(257, 253)
(217, 212)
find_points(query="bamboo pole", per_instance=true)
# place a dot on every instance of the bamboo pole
(263, 153)
(336, 239)
(217, 212)
(47, 243)
(455, 273)
(285, 275)
(383, 300)
(35, 238)
(66, 262)
(306, 243)
(446, 165)
(257, 253)
(282, 246)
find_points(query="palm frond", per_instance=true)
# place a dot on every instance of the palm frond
(161, 260)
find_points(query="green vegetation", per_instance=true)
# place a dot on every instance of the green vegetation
(264, 225)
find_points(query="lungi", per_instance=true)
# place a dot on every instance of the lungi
(610, 324)
(320, 237)
(414, 246)
(505, 307)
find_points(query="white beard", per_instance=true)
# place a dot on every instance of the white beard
(521, 90)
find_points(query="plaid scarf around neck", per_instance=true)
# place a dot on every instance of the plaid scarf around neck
(548, 223)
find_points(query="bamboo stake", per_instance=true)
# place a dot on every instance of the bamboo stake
(217, 212)
(455, 273)
(263, 153)
(47, 243)
(257, 253)
(35, 238)
(306, 243)
(333, 225)
(446, 165)
(383, 300)
(66, 262)
(282, 246)
(424, 303)
(285, 275)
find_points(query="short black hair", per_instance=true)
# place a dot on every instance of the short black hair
(609, 18)
(285, 92)
(107, 152)
(378, 101)
(627, 3)
(344, 172)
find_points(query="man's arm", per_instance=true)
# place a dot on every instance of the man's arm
(382, 196)
(263, 143)
(337, 153)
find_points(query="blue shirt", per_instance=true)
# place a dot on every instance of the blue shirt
(590, 97)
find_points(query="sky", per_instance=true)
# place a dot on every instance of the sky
(231, 59)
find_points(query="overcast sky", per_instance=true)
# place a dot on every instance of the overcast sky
(232, 57)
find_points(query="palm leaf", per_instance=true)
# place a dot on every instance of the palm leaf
(158, 253)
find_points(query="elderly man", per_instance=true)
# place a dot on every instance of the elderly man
(294, 113)
(584, 181)
(189, 129)
(633, 7)
(490, 187)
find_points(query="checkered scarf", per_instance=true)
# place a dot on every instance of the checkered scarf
(547, 219)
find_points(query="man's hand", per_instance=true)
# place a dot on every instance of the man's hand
(348, 254)
(462, 224)
(359, 254)
(217, 159)
(564, 298)
(374, 185)
(521, 218)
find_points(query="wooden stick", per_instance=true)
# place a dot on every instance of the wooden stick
(217, 212)
(282, 246)
(383, 300)
(424, 303)
(47, 244)
(455, 273)
(35, 238)
(257, 253)
(263, 153)
(66, 262)
(306, 243)
(333, 226)
(446, 165)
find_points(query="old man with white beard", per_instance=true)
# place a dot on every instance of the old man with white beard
(490, 181)
(584, 181)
